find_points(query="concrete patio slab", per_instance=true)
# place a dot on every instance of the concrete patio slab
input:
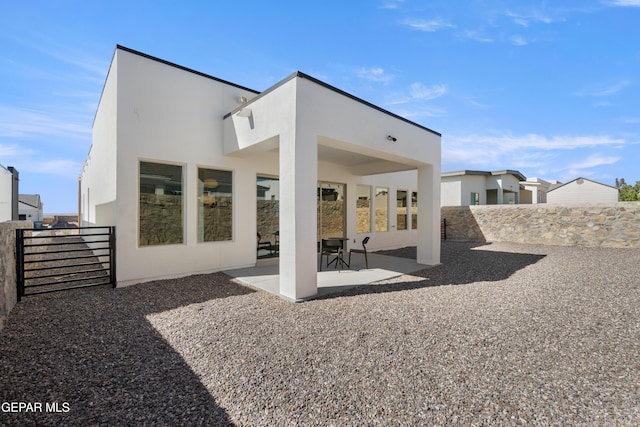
(381, 267)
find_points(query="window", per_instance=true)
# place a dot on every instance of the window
(331, 209)
(363, 209)
(414, 210)
(475, 199)
(382, 208)
(268, 209)
(215, 205)
(401, 209)
(161, 204)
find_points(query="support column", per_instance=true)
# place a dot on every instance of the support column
(500, 192)
(298, 215)
(428, 215)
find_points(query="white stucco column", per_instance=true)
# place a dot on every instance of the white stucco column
(298, 215)
(428, 215)
(500, 192)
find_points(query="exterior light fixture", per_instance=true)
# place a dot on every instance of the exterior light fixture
(392, 138)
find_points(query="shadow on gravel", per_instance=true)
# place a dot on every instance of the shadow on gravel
(93, 352)
(460, 265)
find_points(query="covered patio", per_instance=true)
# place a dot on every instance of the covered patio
(265, 275)
(309, 134)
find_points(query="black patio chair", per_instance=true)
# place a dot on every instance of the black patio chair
(361, 251)
(331, 248)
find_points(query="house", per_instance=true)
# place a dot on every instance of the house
(470, 187)
(30, 208)
(8, 194)
(582, 190)
(190, 167)
(534, 190)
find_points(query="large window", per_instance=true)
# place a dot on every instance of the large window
(401, 209)
(161, 204)
(331, 210)
(382, 208)
(363, 209)
(215, 205)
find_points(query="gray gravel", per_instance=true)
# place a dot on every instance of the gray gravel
(501, 334)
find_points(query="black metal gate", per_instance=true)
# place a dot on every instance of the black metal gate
(62, 259)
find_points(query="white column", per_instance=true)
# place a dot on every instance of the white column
(298, 215)
(500, 192)
(429, 215)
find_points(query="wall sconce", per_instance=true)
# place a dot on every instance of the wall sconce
(392, 138)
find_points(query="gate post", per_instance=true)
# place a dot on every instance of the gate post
(112, 256)
(19, 263)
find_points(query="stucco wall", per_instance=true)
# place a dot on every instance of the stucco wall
(582, 191)
(8, 292)
(608, 225)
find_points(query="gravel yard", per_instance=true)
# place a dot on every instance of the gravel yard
(500, 334)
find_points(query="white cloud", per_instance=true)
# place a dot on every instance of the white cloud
(624, 3)
(608, 91)
(25, 123)
(518, 40)
(593, 161)
(420, 91)
(428, 26)
(477, 36)
(391, 4)
(525, 20)
(375, 74)
(58, 167)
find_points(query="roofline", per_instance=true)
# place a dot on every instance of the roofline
(300, 74)
(515, 173)
(581, 177)
(464, 172)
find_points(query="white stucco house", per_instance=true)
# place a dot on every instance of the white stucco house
(189, 168)
(30, 207)
(583, 191)
(8, 194)
(534, 190)
(470, 187)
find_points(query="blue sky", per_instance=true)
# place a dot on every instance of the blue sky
(550, 88)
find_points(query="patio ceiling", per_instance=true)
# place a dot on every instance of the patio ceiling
(358, 163)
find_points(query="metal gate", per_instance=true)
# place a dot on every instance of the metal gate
(62, 259)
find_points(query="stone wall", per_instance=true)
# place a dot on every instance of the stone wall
(614, 225)
(8, 291)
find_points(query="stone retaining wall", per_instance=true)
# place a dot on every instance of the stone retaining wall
(612, 225)
(8, 291)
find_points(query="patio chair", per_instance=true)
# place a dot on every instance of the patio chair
(361, 251)
(331, 248)
(264, 245)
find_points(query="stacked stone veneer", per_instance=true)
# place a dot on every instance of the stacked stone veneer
(612, 225)
(8, 291)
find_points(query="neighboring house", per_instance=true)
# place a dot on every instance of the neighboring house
(8, 194)
(189, 168)
(468, 187)
(582, 190)
(534, 190)
(30, 208)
